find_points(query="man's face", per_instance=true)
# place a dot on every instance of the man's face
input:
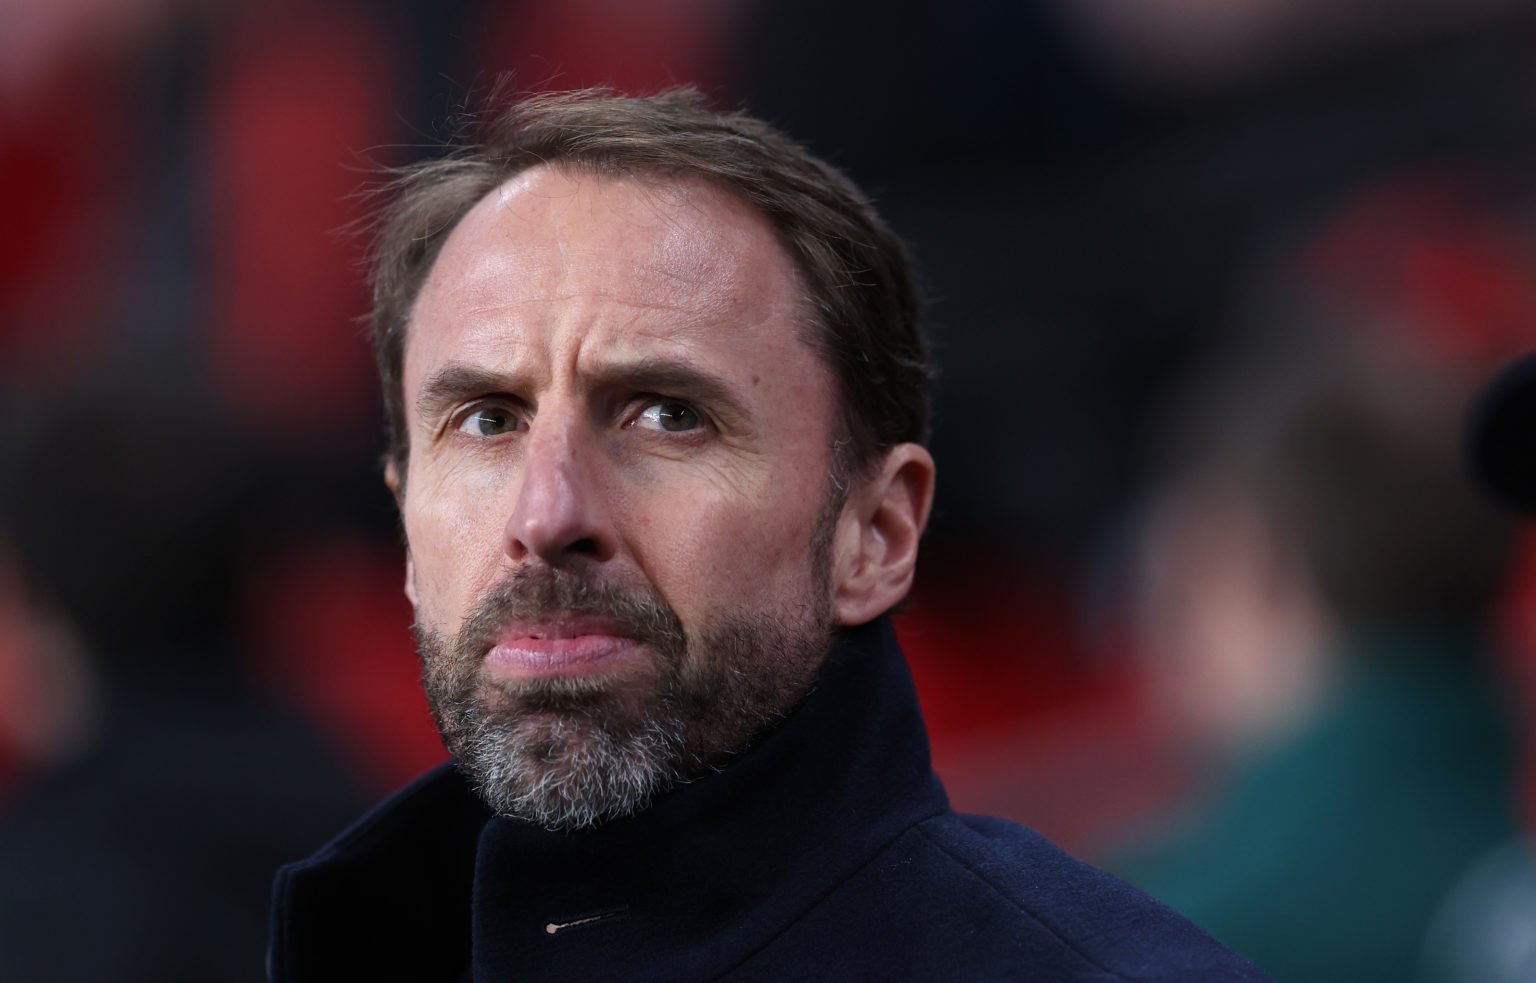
(617, 500)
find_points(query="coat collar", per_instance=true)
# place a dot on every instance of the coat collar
(731, 858)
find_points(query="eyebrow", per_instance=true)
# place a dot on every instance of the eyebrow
(458, 382)
(455, 383)
(669, 377)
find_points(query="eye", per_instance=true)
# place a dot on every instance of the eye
(669, 415)
(490, 421)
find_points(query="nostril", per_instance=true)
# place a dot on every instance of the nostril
(586, 547)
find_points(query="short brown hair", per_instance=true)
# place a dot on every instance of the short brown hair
(1346, 448)
(858, 278)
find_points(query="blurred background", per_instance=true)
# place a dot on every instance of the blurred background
(1206, 598)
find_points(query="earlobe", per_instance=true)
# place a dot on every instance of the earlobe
(392, 482)
(880, 529)
(392, 478)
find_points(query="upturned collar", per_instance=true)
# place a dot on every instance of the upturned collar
(690, 887)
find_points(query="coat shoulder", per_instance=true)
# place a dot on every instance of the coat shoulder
(1087, 917)
(959, 897)
(962, 897)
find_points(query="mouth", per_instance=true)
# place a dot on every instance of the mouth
(561, 646)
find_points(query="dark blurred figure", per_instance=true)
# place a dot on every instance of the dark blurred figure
(141, 848)
(1317, 585)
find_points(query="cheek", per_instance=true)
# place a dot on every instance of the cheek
(454, 540)
(707, 552)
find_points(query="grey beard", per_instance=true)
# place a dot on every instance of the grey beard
(574, 753)
(572, 773)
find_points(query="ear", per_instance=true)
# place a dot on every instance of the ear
(875, 552)
(392, 482)
(410, 578)
(392, 478)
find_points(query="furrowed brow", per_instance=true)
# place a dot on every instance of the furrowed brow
(667, 377)
(457, 383)
(452, 384)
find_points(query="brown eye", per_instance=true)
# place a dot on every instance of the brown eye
(489, 421)
(670, 416)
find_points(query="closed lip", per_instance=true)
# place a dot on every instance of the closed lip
(559, 628)
(575, 645)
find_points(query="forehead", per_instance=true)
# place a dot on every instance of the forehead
(674, 251)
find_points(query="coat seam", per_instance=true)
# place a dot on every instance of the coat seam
(1022, 908)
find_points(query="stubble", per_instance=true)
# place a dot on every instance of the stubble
(570, 753)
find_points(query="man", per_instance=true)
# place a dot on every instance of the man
(1320, 584)
(657, 394)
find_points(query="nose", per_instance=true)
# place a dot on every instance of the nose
(560, 511)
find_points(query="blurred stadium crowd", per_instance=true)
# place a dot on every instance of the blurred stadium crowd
(1207, 598)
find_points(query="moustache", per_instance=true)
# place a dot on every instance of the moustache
(544, 593)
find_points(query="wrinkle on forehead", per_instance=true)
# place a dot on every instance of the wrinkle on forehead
(557, 267)
(688, 244)
(662, 244)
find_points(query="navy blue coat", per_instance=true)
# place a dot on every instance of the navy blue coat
(827, 851)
